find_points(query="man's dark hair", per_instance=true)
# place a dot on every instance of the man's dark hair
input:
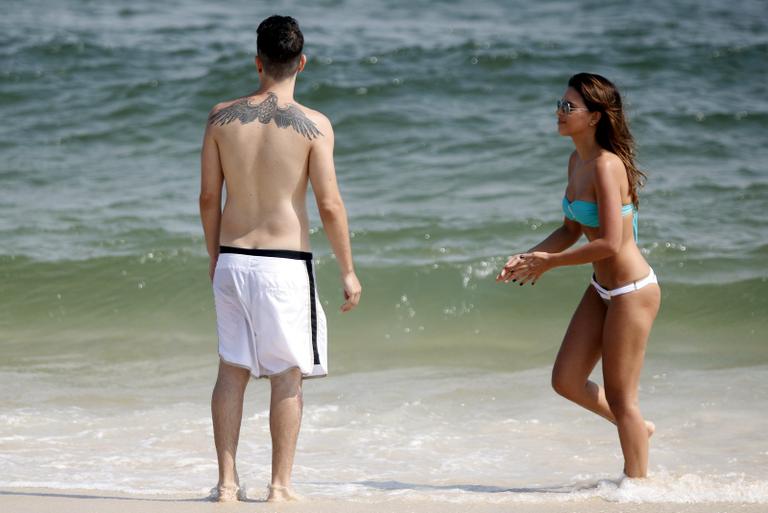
(279, 43)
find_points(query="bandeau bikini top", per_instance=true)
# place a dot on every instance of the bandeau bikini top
(585, 212)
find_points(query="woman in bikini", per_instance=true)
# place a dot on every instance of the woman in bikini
(615, 315)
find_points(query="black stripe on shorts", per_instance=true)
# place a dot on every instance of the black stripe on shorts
(313, 310)
(276, 253)
(294, 255)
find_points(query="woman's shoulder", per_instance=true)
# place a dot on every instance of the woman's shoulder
(610, 169)
(609, 162)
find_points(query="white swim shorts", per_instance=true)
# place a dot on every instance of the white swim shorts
(268, 316)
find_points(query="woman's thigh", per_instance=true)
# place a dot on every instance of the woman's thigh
(628, 322)
(581, 347)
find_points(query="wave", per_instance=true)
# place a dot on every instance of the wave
(434, 307)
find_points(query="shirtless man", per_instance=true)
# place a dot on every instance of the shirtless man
(266, 148)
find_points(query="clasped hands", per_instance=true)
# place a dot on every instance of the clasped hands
(525, 267)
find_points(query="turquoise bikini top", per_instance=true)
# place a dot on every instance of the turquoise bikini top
(585, 212)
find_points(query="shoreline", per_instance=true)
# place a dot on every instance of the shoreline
(34, 500)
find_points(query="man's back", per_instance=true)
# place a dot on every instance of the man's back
(264, 146)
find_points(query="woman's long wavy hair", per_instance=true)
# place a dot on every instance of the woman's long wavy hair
(612, 134)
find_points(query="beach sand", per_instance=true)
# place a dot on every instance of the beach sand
(85, 501)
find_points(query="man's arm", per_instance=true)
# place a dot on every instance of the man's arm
(322, 175)
(211, 183)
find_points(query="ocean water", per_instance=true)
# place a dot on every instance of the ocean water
(449, 160)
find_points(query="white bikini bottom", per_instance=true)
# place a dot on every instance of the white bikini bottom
(624, 289)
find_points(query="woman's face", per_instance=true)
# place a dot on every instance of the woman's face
(578, 119)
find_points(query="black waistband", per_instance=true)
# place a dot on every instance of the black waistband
(275, 253)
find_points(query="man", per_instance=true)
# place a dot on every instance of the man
(266, 148)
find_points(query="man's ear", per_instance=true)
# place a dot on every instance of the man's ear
(259, 64)
(302, 63)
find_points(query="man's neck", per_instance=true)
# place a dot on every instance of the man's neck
(282, 89)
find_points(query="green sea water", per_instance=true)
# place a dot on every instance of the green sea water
(447, 155)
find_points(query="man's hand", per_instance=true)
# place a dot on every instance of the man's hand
(212, 266)
(352, 291)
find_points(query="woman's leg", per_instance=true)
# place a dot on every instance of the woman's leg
(627, 325)
(579, 353)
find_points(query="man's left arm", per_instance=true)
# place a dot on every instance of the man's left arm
(211, 183)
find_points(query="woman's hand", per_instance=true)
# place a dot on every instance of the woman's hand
(526, 267)
(506, 272)
(532, 266)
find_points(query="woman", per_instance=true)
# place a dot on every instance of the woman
(618, 308)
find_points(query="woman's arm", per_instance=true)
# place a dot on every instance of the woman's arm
(560, 239)
(608, 242)
(606, 245)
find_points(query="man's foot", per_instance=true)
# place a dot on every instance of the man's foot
(282, 494)
(231, 493)
(651, 427)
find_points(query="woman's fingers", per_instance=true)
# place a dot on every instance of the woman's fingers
(521, 269)
(508, 270)
(503, 274)
(530, 276)
(515, 276)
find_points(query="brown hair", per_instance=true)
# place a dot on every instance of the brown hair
(612, 134)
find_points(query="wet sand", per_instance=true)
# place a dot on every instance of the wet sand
(85, 501)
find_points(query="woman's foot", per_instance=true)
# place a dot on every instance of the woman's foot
(282, 494)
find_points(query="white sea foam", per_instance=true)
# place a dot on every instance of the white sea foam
(415, 433)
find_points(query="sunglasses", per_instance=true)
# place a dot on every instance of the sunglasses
(567, 107)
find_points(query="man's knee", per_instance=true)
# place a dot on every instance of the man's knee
(232, 377)
(287, 384)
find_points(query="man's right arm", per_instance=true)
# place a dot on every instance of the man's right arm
(211, 183)
(322, 175)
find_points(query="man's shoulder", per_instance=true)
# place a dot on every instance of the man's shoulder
(317, 117)
(225, 104)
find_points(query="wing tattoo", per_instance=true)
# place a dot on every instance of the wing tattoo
(292, 116)
(246, 112)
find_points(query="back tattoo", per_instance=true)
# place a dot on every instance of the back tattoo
(246, 112)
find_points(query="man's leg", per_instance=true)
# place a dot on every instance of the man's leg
(284, 423)
(227, 414)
